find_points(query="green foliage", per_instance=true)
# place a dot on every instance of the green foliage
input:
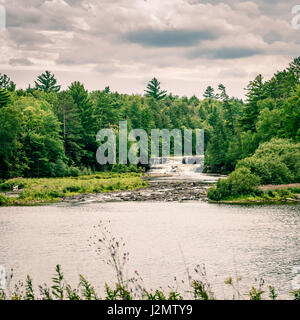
(4, 97)
(58, 285)
(3, 200)
(209, 93)
(47, 133)
(200, 291)
(47, 82)
(272, 294)
(251, 109)
(29, 294)
(45, 190)
(6, 83)
(296, 294)
(275, 162)
(88, 291)
(153, 90)
(61, 290)
(256, 293)
(157, 295)
(239, 182)
(119, 293)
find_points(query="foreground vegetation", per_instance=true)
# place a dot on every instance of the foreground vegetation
(46, 190)
(113, 252)
(199, 290)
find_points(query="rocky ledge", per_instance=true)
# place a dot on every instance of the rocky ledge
(156, 191)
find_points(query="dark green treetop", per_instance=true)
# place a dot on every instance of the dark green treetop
(47, 82)
(6, 83)
(209, 93)
(4, 97)
(153, 90)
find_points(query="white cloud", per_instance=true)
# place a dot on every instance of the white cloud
(185, 42)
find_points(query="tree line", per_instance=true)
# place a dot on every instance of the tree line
(47, 132)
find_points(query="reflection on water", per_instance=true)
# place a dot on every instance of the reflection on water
(163, 239)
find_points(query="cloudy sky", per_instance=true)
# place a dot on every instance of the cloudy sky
(186, 44)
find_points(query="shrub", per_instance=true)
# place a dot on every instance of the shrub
(275, 162)
(3, 200)
(270, 170)
(239, 182)
(74, 172)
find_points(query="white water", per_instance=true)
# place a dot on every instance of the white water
(180, 168)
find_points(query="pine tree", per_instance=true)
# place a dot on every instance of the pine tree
(251, 109)
(6, 83)
(227, 107)
(209, 94)
(72, 128)
(4, 97)
(295, 68)
(153, 90)
(218, 145)
(47, 82)
(85, 110)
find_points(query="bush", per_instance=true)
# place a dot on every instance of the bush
(3, 200)
(275, 162)
(270, 170)
(74, 172)
(239, 182)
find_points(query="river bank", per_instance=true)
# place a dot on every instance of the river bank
(106, 187)
(116, 187)
(268, 194)
(27, 191)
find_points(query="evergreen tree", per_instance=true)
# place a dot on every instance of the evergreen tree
(6, 83)
(251, 109)
(4, 97)
(227, 108)
(280, 86)
(29, 89)
(217, 147)
(209, 95)
(72, 128)
(295, 68)
(47, 82)
(106, 109)
(10, 153)
(153, 90)
(85, 110)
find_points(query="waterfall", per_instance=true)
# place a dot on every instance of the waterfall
(176, 165)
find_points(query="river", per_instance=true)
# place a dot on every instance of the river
(164, 239)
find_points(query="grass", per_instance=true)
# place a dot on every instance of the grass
(266, 195)
(48, 190)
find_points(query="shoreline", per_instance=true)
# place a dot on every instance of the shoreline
(154, 188)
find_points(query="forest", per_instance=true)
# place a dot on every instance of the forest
(49, 132)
